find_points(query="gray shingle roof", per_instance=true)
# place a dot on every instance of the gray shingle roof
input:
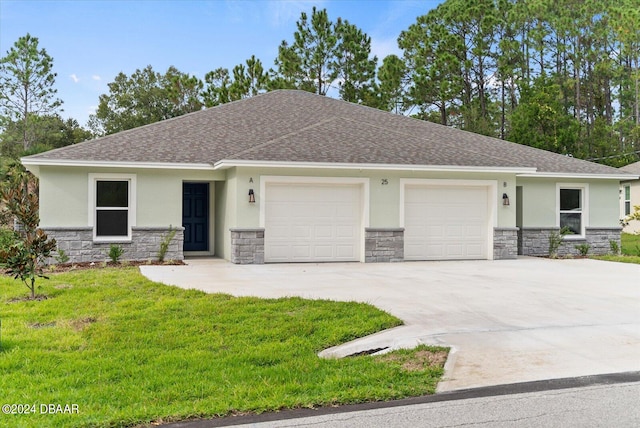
(633, 168)
(296, 126)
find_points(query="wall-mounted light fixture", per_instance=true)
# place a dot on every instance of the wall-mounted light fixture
(252, 196)
(505, 200)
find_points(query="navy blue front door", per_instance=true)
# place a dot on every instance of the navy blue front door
(195, 216)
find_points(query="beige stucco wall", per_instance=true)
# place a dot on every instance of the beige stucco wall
(225, 214)
(63, 197)
(64, 194)
(634, 187)
(384, 199)
(539, 201)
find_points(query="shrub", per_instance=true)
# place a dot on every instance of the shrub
(115, 252)
(62, 256)
(615, 247)
(583, 249)
(164, 244)
(555, 240)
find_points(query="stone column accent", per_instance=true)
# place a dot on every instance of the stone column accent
(383, 245)
(599, 238)
(505, 243)
(78, 244)
(535, 241)
(247, 246)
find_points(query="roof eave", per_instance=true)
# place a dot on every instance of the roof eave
(28, 161)
(230, 163)
(578, 175)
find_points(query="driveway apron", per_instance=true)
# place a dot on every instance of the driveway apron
(506, 321)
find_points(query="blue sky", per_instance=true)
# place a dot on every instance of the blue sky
(92, 41)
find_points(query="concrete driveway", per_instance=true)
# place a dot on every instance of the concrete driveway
(507, 321)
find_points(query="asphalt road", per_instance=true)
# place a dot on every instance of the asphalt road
(593, 401)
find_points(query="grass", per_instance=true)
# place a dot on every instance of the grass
(630, 244)
(630, 249)
(129, 351)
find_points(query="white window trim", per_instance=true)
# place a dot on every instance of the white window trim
(584, 203)
(131, 218)
(625, 200)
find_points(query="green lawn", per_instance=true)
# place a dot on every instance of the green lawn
(128, 351)
(630, 244)
(630, 250)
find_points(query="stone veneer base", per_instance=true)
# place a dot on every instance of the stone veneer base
(535, 241)
(247, 246)
(505, 243)
(383, 245)
(78, 244)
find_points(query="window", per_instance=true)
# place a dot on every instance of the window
(111, 212)
(572, 211)
(627, 200)
(112, 208)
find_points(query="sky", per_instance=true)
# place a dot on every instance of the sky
(92, 41)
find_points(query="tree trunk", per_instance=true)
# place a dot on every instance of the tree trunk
(637, 104)
(443, 113)
(502, 112)
(25, 140)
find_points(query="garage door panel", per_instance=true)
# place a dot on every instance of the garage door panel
(475, 231)
(446, 222)
(279, 230)
(474, 250)
(326, 220)
(345, 251)
(346, 232)
(299, 232)
(432, 231)
(323, 231)
(435, 251)
(276, 210)
(455, 231)
(298, 251)
(279, 252)
(455, 250)
(323, 252)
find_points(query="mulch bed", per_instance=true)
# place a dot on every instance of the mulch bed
(67, 267)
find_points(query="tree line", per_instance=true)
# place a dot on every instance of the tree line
(560, 75)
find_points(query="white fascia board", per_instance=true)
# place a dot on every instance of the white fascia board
(578, 176)
(224, 164)
(107, 164)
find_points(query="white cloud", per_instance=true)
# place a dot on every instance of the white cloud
(282, 12)
(96, 77)
(384, 47)
(74, 78)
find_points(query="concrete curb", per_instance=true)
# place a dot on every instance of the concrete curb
(488, 391)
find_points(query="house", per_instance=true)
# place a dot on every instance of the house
(630, 197)
(290, 176)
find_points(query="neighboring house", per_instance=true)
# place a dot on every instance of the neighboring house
(289, 176)
(630, 197)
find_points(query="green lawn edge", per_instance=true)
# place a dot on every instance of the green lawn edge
(131, 352)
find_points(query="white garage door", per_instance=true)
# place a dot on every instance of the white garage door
(446, 222)
(312, 223)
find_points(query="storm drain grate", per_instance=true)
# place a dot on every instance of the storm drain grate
(367, 352)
